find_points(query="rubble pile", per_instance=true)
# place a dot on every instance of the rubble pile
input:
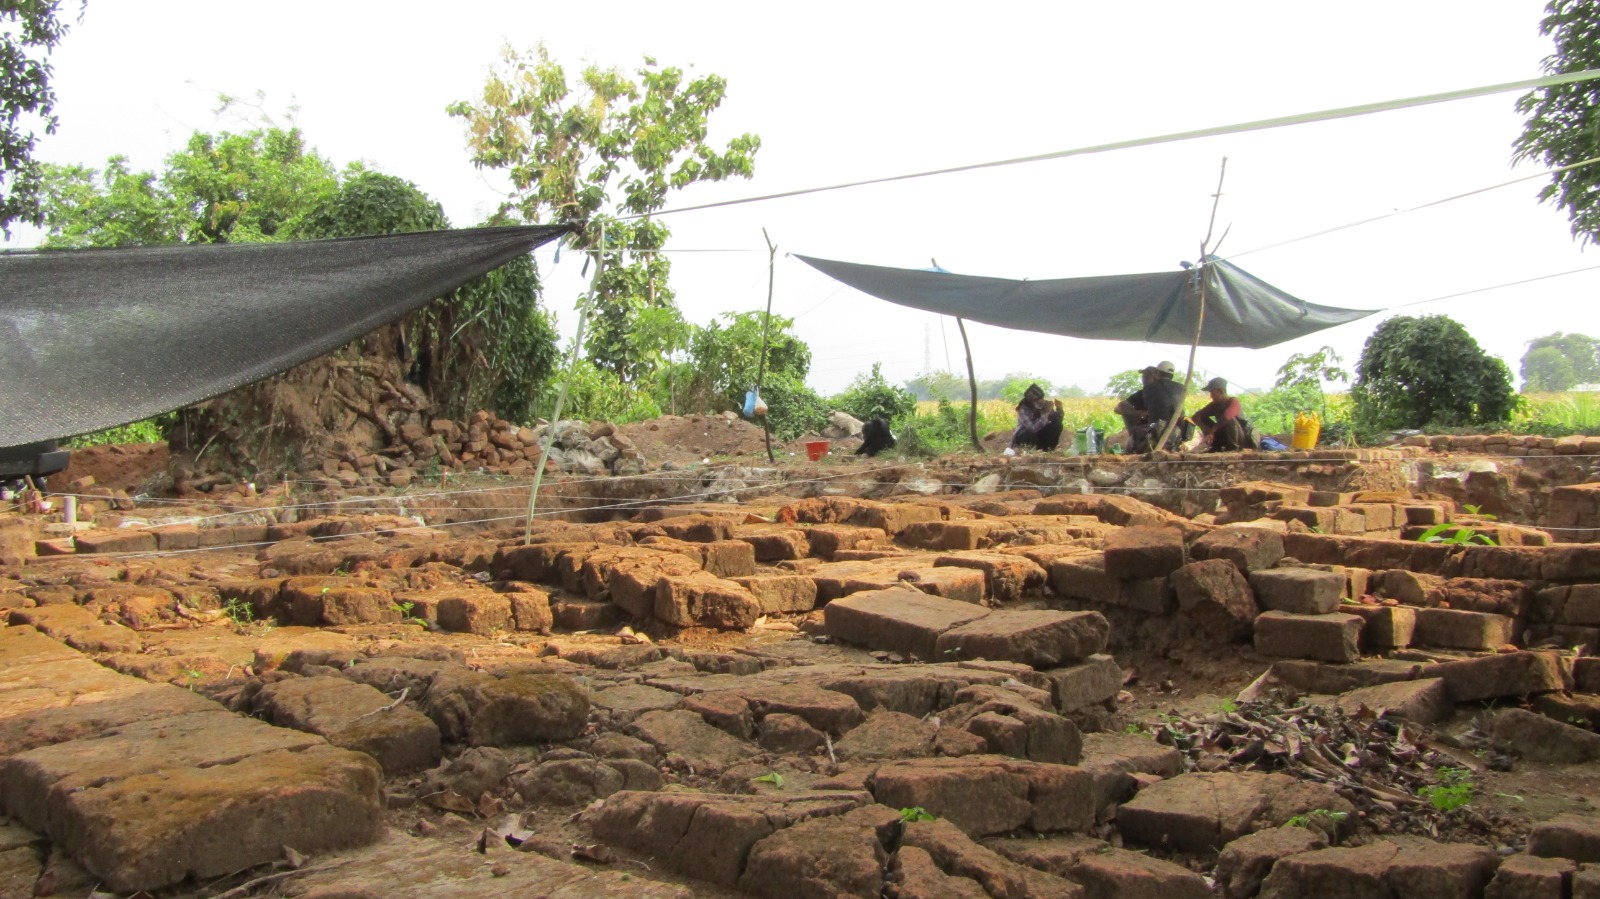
(934, 694)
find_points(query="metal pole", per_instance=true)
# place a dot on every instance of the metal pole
(561, 392)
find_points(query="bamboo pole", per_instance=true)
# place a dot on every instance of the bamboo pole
(1200, 314)
(766, 325)
(972, 388)
(561, 392)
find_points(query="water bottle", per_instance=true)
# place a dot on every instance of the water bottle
(1091, 444)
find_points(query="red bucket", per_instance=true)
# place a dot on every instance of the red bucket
(816, 449)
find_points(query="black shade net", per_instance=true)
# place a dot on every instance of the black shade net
(92, 339)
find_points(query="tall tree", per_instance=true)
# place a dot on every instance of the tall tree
(1558, 361)
(29, 31)
(611, 145)
(1428, 372)
(1563, 125)
(220, 188)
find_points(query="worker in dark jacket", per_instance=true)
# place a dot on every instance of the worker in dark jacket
(1146, 411)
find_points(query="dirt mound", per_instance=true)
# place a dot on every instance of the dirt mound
(132, 467)
(684, 439)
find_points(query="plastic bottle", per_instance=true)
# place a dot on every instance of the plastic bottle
(1091, 443)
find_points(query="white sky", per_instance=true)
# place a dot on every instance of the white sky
(847, 91)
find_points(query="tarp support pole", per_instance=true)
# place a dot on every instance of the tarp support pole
(1200, 316)
(972, 388)
(561, 392)
(766, 325)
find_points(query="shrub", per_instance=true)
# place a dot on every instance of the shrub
(871, 396)
(1429, 372)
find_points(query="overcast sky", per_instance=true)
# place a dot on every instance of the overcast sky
(848, 91)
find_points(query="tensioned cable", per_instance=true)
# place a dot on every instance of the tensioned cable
(1389, 215)
(1215, 131)
(1464, 293)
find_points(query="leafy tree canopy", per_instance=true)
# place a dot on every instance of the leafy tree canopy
(1123, 383)
(725, 357)
(1563, 122)
(29, 31)
(223, 188)
(1428, 372)
(583, 153)
(872, 396)
(1557, 362)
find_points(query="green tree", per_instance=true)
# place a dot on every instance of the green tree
(1563, 121)
(567, 149)
(1557, 362)
(1123, 383)
(725, 357)
(224, 188)
(872, 396)
(1428, 372)
(29, 31)
(938, 385)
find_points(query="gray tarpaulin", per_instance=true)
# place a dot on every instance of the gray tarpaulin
(91, 339)
(1241, 310)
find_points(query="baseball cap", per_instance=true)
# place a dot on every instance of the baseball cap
(1217, 384)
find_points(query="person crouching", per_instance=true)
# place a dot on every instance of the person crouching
(1220, 421)
(1038, 422)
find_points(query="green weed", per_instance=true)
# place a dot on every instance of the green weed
(1460, 535)
(1332, 817)
(914, 813)
(773, 778)
(1453, 791)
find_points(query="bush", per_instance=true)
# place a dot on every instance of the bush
(792, 407)
(1428, 372)
(148, 430)
(871, 396)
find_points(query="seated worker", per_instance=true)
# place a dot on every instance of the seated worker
(1038, 422)
(875, 437)
(1147, 410)
(1219, 420)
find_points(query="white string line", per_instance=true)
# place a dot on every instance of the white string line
(1388, 215)
(1257, 125)
(757, 483)
(1463, 293)
(628, 504)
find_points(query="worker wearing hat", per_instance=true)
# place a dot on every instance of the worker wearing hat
(1146, 412)
(1225, 430)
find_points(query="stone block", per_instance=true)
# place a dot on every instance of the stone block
(480, 709)
(1418, 701)
(780, 594)
(709, 836)
(1038, 638)
(1457, 629)
(1083, 577)
(687, 741)
(1504, 675)
(1532, 877)
(121, 540)
(1097, 680)
(1144, 552)
(1572, 835)
(828, 539)
(985, 795)
(573, 614)
(1249, 548)
(1539, 739)
(353, 716)
(530, 610)
(703, 600)
(479, 612)
(1215, 599)
(1303, 591)
(1383, 869)
(898, 619)
(1582, 605)
(1197, 812)
(1329, 638)
(1007, 577)
(1384, 627)
(774, 542)
(1246, 862)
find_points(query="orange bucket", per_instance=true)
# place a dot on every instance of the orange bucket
(816, 449)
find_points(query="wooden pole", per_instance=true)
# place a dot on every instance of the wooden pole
(1200, 314)
(561, 392)
(972, 388)
(766, 325)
